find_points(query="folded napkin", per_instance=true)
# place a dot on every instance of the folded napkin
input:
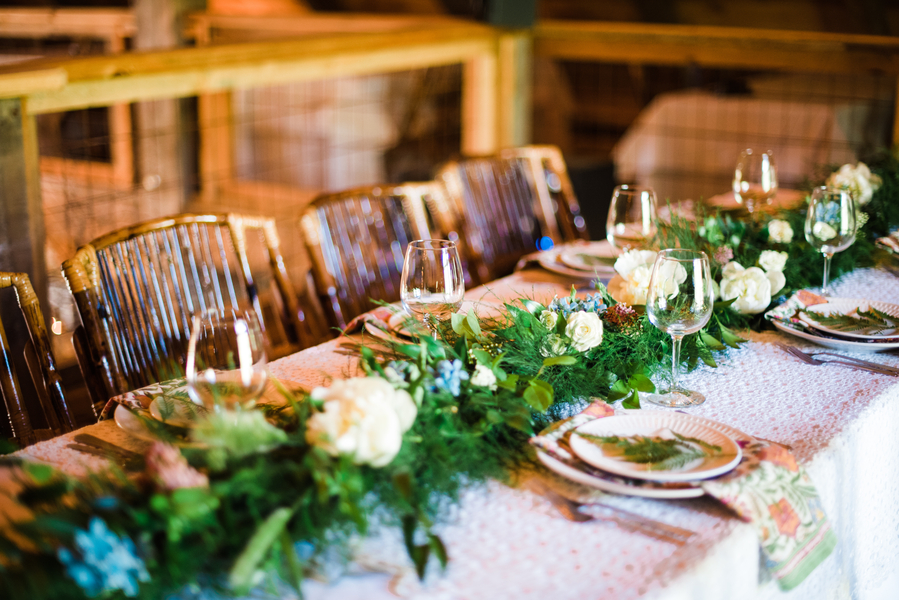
(140, 399)
(378, 316)
(786, 312)
(768, 489)
(889, 243)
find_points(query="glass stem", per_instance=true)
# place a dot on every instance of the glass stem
(827, 257)
(675, 360)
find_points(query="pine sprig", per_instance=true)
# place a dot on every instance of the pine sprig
(657, 453)
(872, 320)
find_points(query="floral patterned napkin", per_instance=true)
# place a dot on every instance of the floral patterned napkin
(378, 316)
(786, 312)
(768, 489)
(140, 399)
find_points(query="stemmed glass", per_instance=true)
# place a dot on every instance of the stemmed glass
(679, 302)
(632, 217)
(830, 225)
(755, 179)
(432, 284)
(226, 363)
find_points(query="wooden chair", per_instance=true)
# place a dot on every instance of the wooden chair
(137, 288)
(42, 367)
(357, 241)
(507, 205)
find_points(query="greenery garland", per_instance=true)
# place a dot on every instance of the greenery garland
(269, 493)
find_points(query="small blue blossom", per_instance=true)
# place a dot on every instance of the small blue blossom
(108, 562)
(398, 372)
(450, 375)
(565, 306)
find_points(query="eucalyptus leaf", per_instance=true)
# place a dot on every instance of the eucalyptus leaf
(532, 306)
(559, 360)
(439, 549)
(632, 401)
(619, 390)
(710, 341)
(241, 575)
(641, 383)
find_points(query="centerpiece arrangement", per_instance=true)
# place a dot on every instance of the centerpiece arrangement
(264, 493)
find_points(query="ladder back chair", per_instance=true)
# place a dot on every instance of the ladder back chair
(503, 206)
(357, 242)
(42, 367)
(137, 288)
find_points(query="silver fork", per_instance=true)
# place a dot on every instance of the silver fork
(845, 361)
(625, 519)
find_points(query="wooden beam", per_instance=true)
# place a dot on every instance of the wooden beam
(515, 89)
(101, 23)
(480, 101)
(717, 47)
(100, 81)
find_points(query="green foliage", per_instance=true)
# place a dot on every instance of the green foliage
(657, 453)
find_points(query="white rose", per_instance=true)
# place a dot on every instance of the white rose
(858, 180)
(751, 288)
(780, 232)
(363, 417)
(668, 279)
(484, 377)
(549, 319)
(632, 259)
(823, 231)
(777, 279)
(585, 330)
(633, 288)
(771, 260)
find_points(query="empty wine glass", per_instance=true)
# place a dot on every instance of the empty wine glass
(679, 302)
(755, 179)
(632, 217)
(432, 283)
(830, 225)
(226, 364)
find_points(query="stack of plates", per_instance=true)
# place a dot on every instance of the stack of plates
(582, 260)
(863, 339)
(596, 467)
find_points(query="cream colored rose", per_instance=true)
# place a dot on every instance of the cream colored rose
(771, 260)
(751, 287)
(823, 231)
(668, 279)
(484, 377)
(585, 330)
(363, 417)
(632, 259)
(549, 319)
(780, 232)
(857, 180)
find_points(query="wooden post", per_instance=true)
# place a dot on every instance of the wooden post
(480, 98)
(896, 117)
(515, 88)
(22, 235)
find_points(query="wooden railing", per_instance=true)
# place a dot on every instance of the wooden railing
(720, 47)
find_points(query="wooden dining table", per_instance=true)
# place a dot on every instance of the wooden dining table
(509, 541)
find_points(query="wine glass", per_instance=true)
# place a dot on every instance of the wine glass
(632, 217)
(830, 225)
(226, 364)
(432, 284)
(679, 302)
(755, 179)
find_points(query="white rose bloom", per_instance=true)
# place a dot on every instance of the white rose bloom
(771, 260)
(668, 279)
(780, 232)
(777, 279)
(585, 330)
(483, 377)
(823, 231)
(363, 417)
(633, 259)
(858, 180)
(751, 288)
(549, 319)
(633, 288)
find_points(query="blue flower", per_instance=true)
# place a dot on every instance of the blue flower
(450, 375)
(108, 562)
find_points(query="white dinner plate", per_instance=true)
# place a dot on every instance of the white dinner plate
(843, 306)
(130, 423)
(396, 324)
(591, 257)
(662, 424)
(837, 344)
(177, 411)
(551, 260)
(614, 484)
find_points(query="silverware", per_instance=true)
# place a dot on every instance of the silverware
(89, 444)
(92, 440)
(845, 361)
(623, 518)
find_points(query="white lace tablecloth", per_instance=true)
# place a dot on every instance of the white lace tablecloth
(506, 542)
